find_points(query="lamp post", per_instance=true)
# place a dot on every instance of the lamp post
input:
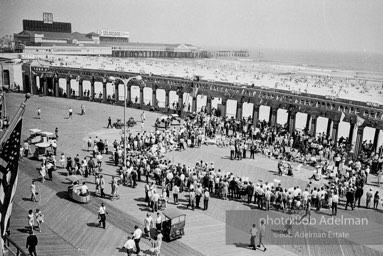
(3, 106)
(126, 83)
(2, 75)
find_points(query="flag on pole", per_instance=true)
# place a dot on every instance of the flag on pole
(195, 92)
(359, 121)
(342, 116)
(9, 164)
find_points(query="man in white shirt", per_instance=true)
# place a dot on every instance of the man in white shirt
(54, 146)
(155, 198)
(102, 215)
(130, 246)
(335, 200)
(253, 233)
(83, 189)
(137, 236)
(99, 159)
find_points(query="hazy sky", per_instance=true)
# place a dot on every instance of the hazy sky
(331, 25)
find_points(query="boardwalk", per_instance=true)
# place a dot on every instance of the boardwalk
(74, 224)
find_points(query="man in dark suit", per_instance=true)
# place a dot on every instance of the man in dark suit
(32, 243)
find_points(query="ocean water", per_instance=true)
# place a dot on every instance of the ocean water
(356, 61)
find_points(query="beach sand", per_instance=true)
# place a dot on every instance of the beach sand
(344, 84)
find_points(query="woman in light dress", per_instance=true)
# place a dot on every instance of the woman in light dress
(39, 218)
(33, 192)
(114, 189)
(43, 172)
(31, 220)
(62, 160)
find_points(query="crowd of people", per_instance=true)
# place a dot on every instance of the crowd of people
(145, 158)
(145, 151)
(145, 161)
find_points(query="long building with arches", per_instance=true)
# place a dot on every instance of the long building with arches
(45, 80)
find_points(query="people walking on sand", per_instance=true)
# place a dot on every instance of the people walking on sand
(32, 242)
(33, 192)
(102, 215)
(31, 219)
(39, 218)
(82, 110)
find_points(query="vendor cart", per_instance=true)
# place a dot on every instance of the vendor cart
(35, 136)
(174, 224)
(41, 150)
(47, 136)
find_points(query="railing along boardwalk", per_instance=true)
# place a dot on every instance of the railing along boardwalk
(49, 242)
(12, 248)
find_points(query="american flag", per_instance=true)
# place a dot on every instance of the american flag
(195, 92)
(9, 164)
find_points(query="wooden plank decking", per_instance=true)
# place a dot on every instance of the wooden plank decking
(74, 223)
